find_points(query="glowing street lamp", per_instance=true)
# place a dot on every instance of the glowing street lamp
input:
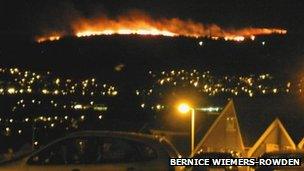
(185, 108)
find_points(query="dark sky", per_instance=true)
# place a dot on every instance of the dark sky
(32, 16)
(29, 18)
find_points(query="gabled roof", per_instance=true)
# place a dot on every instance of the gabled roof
(276, 124)
(218, 131)
(256, 114)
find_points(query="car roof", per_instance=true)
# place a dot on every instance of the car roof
(122, 134)
(150, 139)
(145, 138)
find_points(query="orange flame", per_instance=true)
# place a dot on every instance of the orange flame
(48, 38)
(141, 24)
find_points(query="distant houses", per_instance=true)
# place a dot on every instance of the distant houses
(246, 135)
(225, 135)
(275, 138)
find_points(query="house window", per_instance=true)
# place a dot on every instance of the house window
(230, 124)
(286, 147)
(272, 147)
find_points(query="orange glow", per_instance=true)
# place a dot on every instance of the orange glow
(184, 108)
(234, 38)
(47, 38)
(139, 23)
(142, 24)
(154, 32)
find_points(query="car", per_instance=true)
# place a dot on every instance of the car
(98, 150)
(213, 155)
(283, 154)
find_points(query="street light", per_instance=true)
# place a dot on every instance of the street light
(185, 108)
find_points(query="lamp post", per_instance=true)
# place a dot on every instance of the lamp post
(185, 108)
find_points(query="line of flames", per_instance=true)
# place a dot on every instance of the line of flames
(138, 23)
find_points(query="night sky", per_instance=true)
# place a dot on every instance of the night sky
(24, 19)
(30, 16)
